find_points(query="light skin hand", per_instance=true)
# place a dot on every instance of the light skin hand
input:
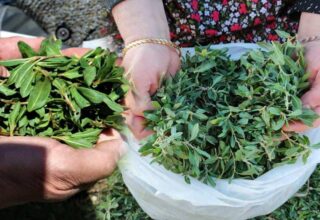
(147, 64)
(42, 169)
(310, 26)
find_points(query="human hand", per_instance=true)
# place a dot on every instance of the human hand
(9, 50)
(146, 66)
(42, 169)
(309, 25)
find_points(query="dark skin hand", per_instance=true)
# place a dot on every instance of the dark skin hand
(42, 169)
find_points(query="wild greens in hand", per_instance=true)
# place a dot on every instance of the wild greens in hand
(70, 99)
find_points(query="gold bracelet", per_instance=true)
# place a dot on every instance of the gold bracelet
(310, 39)
(151, 41)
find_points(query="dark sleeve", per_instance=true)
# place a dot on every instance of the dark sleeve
(311, 6)
(112, 3)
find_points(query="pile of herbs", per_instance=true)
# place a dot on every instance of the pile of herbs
(223, 118)
(70, 99)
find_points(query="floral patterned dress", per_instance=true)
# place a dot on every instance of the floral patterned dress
(222, 21)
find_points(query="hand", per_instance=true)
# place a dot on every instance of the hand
(9, 50)
(310, 26)
(146, 66)
(42, 169)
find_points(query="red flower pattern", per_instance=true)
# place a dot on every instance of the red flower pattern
(195, 5)
(243, 9)
(215, 16)
(222, 21)
(196, 17)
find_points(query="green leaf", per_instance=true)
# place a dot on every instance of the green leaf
(88, 133)
(6, 91)
(14, 62)
(39, 94)
(278, 57)
(50, 47)
(60, 84)
(26, 85)
(283, 34)
(19, 73)
(296, 103)
(194, 132)
(217, 120)
(80, 100)
(25, 50)
(274, 110)
(93, 96)
(89, 75)
(278, 124)
(316, 146)
(71, 74)
(113, 105)
(13, 116)
(205, 66)
(24, 75)
(155, 105)
(75, 142)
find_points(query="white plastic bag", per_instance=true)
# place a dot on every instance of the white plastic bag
(164, 195)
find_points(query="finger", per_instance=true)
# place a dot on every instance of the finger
(9, 48)
(78, 52)
(175, 66)
(311, 99)
(138, 102)
(298, 127)
(144, 82)
(98, 163)
(109, 135)
(118, 62)
(4, 72)
(27, 141)
(137, 126)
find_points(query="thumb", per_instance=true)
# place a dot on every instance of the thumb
(79, 52)
(99, 162)
(298, 126)
(4, 72)
(9, 48)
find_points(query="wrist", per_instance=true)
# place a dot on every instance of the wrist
(140, 19)
(309, 25)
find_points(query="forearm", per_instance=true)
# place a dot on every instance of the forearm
(309, 25)
(137, 19)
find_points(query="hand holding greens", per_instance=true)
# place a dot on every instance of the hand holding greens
(70, 99)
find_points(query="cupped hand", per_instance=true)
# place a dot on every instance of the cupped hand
(146, 66)
(311, 99)
(42, 169)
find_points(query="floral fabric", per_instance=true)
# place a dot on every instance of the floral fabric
(222, 21)
(203, 22)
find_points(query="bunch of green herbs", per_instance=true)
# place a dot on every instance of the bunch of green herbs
(223, 118)
(70, 99)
